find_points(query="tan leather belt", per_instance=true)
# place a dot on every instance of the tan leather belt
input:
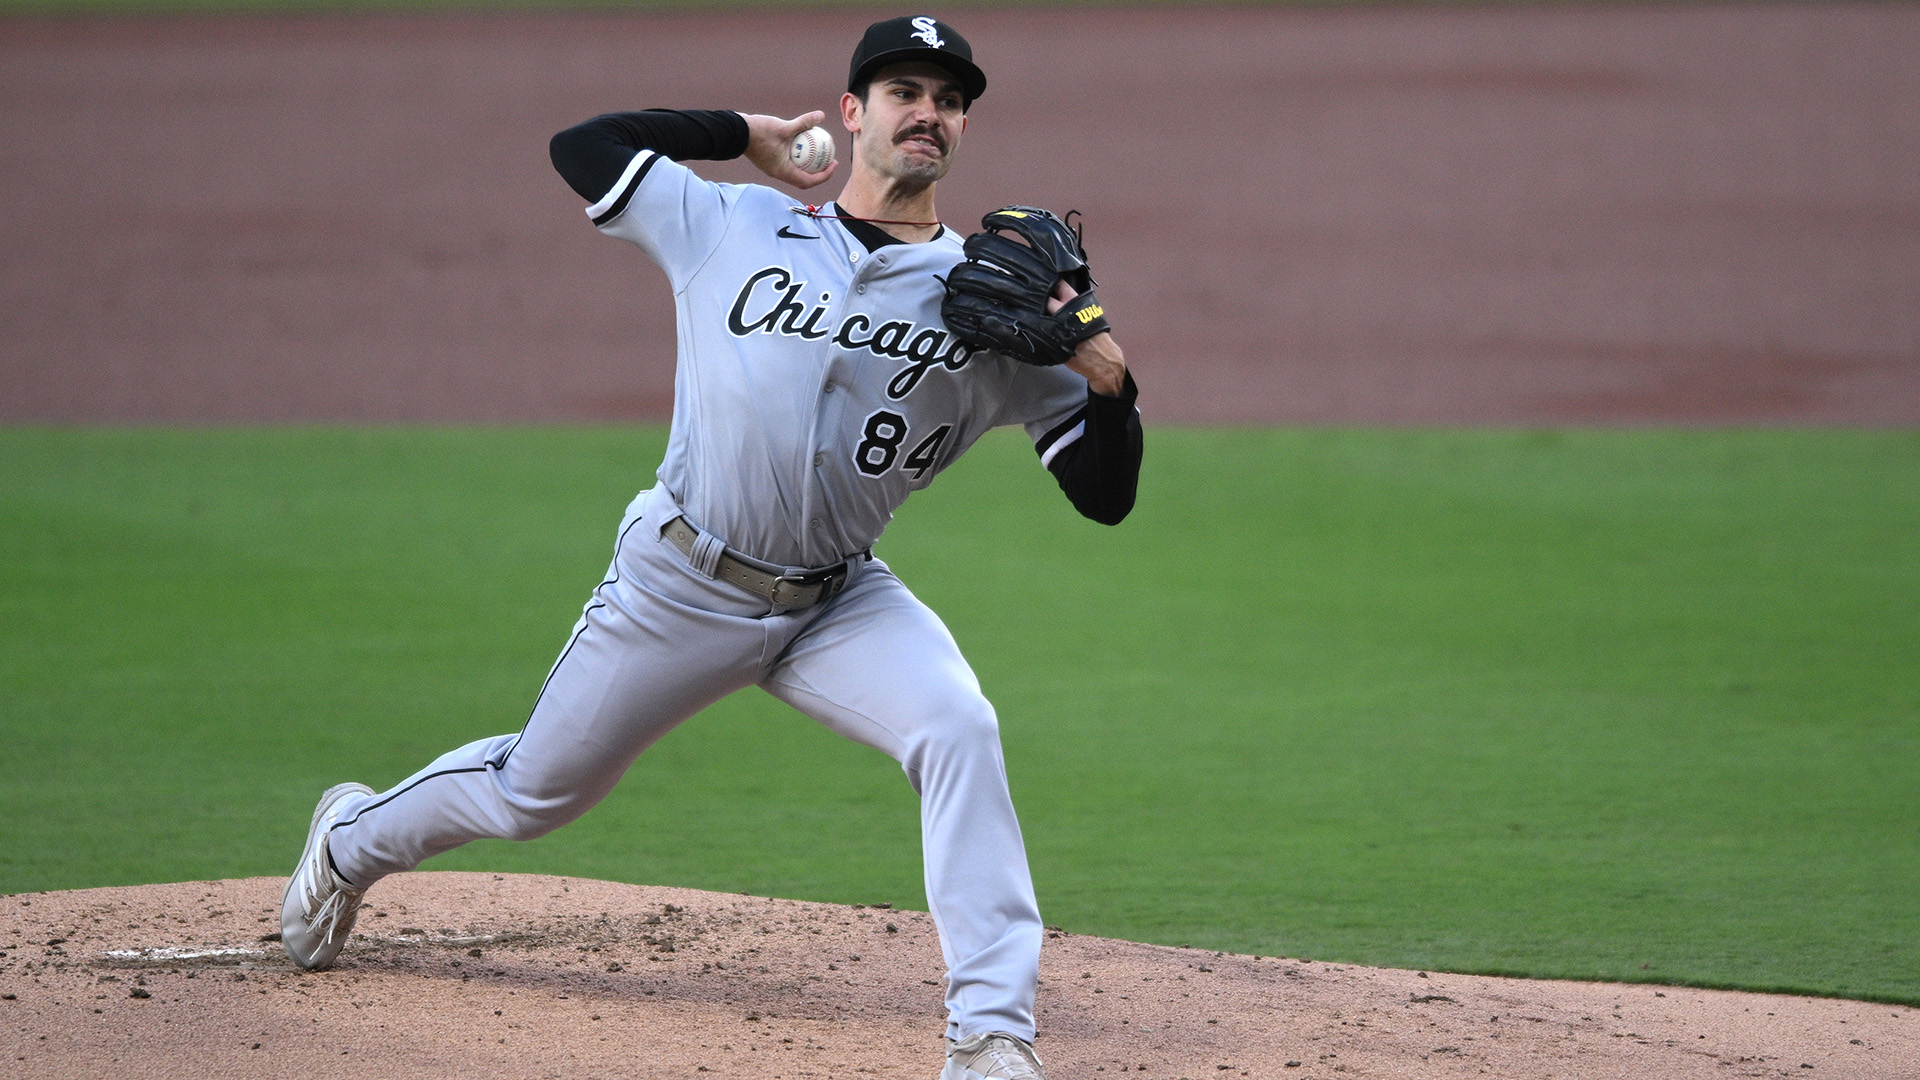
(780, 590)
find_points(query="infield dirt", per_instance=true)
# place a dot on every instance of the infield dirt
(464, 975)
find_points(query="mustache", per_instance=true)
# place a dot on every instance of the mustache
(939, 140)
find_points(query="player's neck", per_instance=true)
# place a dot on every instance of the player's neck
(884, 199)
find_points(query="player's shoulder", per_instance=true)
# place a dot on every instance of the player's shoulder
(752, 198)
(762, 199)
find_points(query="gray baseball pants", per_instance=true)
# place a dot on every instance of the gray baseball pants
(659, 642)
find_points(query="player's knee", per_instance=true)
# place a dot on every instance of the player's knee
(967, 724)
(530, 801)
(524, 826)
(533, 818)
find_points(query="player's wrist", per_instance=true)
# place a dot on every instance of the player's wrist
(763, 140)
(1102, 363)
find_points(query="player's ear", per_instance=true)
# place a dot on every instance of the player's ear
(850, 110)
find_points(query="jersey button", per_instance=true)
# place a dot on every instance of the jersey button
(827, 389)
(859, 288)
(819, 460)
(815, 523)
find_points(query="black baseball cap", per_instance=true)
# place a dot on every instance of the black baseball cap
(916, 37)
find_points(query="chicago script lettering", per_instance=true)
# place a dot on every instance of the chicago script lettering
(921, 351)
(769, 303)
(776, 308)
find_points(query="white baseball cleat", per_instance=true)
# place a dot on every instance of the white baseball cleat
(318, 909)
(992, 1055)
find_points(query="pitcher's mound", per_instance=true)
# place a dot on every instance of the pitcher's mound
(485, 975)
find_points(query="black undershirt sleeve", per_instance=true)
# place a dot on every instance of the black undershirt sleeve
(1100, 471)
(591, 156)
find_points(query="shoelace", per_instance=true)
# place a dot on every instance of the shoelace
(1007, 1058)
(334, 908)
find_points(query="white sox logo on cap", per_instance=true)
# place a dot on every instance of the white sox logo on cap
(926, 30)
(915, 39)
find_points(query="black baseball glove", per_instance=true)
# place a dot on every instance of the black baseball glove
(997, 299)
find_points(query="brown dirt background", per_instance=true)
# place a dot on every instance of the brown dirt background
(1636, 213)
(483, 975)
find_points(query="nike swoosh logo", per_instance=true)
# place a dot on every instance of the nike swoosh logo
(791, 235)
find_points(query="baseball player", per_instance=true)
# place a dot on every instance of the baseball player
(817, 386)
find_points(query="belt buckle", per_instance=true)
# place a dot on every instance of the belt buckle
(828, 582)
(836, 581)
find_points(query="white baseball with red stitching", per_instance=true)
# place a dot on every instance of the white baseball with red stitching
(812, 150)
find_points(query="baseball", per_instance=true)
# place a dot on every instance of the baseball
(812, 150)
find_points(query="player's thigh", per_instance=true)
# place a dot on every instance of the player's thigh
(880, 668)
(646, 654)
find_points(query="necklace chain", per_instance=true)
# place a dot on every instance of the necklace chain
(815, 212)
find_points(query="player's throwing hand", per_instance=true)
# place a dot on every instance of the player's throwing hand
(770, 140)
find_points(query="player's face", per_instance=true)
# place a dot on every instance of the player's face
(911, 123)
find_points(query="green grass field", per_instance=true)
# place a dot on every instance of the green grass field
(1621, 705)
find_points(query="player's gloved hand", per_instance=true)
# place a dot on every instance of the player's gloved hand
(998, 298)
(769, 139)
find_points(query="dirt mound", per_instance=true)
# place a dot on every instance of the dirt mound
(462, 975)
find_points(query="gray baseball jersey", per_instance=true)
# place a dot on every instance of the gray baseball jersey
(816, 385)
